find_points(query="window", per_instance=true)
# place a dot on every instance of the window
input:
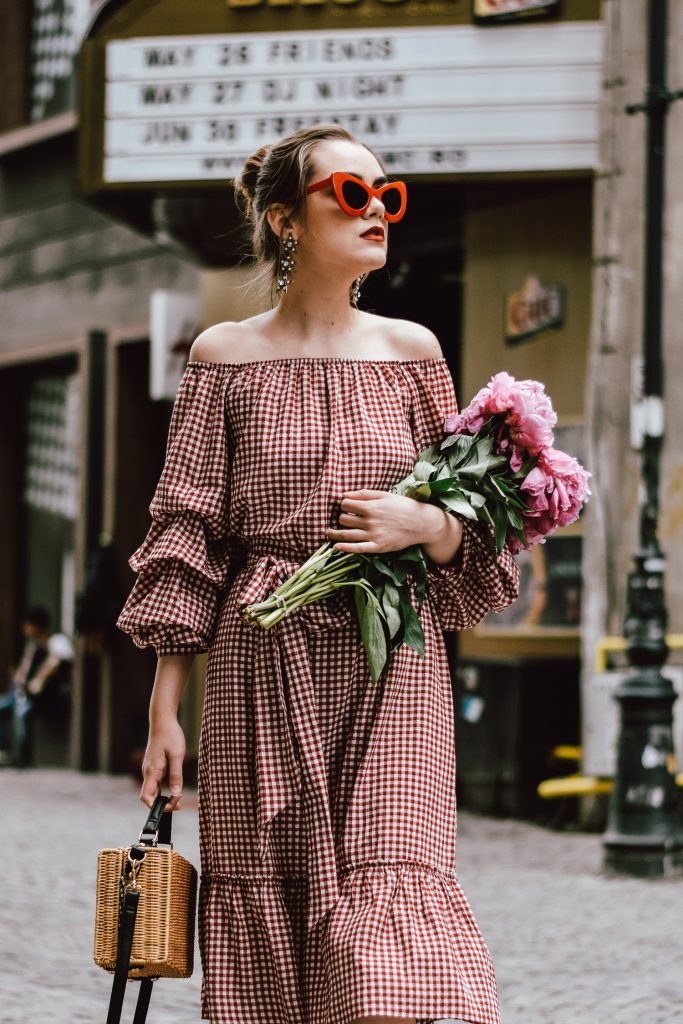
(57, 27)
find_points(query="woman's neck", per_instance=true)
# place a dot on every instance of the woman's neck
(317, 310)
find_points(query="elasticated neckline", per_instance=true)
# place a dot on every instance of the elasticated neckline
(318, 359)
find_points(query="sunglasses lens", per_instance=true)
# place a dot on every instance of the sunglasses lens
(392, 200)
(354, 195)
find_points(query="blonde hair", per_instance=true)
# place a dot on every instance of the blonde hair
(279, 174)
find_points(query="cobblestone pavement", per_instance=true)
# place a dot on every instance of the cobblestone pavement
(570, 945)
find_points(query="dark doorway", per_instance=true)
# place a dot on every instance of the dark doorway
(422, 280)
(141, 428)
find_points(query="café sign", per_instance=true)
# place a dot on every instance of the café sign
(429, 99)
(536, 307)
(491, 11)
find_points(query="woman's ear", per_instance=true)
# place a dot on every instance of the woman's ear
(279, 218)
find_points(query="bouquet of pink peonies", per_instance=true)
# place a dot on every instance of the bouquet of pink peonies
(495, 464)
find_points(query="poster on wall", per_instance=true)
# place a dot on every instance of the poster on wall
(533, 308)
(485, 12)
(174, 319)
(549, 591)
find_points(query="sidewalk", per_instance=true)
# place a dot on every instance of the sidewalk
(570, 945)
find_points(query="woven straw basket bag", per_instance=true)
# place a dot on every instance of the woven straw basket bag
(146, 899)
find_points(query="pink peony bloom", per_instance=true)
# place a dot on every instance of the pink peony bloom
(534, 487)
(557, 487)
(555, 490)
(528, 414)
(515, 545)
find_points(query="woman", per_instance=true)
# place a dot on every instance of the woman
(326, 803)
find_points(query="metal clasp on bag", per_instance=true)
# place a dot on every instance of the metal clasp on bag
(134, 859)
(149, 838)
(152, 839)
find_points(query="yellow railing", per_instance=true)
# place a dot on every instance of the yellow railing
(577, 784)
(609, 644)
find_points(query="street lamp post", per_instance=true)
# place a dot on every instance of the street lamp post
(644, 834)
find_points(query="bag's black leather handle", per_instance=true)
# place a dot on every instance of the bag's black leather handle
(157, 828)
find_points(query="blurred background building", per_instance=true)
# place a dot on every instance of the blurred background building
(119, 242)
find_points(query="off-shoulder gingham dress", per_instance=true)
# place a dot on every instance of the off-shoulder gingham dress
(327, 809)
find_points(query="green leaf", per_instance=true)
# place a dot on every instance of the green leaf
(422, 470)
(482, 466)
(487, 536)
(484, 447)
(391, 603)
(413, 633)
(445, 484)
(430, 454)
(404, 486)
(497, 485)
(486, 516)
(459, 505)
(475, 499)
(500, 520)
(387, 567)
(515, 500)
(372, 632)
(411, 554)
(515, 518)
(457, 446)
(418, 568)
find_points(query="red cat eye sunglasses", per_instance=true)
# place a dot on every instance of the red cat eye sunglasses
(354, 196)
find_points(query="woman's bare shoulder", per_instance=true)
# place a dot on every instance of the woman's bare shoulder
(409, 340)
(232, 341)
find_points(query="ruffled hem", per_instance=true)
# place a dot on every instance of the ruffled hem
(473, 583)
(171, 608)
(401, 941)
(182, 539)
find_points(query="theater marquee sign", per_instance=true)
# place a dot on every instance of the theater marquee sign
(436, 98)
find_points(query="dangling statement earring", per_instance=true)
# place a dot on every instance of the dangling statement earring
(354, 293)
(285, 264)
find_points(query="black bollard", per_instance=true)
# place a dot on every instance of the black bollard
(644, 835)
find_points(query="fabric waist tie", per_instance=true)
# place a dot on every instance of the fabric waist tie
(289, 753)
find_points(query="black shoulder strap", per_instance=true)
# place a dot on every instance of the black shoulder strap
(157, 828)
(118, 989)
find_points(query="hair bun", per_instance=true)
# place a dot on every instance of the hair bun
(245, 184)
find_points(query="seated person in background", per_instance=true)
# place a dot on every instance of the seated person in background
(45, 659)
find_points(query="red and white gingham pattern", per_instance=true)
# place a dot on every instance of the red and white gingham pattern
(327, 803)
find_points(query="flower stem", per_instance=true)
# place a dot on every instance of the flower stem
(317, 578)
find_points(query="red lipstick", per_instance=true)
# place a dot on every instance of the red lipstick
(376, 233)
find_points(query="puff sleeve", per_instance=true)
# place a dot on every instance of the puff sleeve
(183, 562)
(463, 590)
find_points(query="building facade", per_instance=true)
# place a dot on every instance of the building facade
(503, 131)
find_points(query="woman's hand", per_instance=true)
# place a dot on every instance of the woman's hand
(371, 522)
(166, 744)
